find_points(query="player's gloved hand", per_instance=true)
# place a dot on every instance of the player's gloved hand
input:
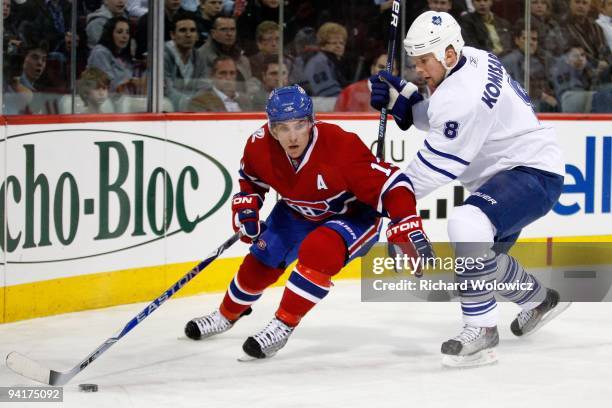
(406, 237)
(245, 216)
(389, 90)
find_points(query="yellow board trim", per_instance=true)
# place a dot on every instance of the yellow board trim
(107, 289)
(93, 291)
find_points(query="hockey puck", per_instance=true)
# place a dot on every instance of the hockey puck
(88, 387)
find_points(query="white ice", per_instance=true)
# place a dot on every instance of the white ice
(344, 354)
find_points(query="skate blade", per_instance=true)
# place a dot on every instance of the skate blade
(245, 358)
(483, 357)
(554, 312)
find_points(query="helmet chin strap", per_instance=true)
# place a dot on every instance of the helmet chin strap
(447, 68)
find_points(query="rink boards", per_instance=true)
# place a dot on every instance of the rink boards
(95, 213)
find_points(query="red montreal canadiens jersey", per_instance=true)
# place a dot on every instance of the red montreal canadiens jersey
(336, 172)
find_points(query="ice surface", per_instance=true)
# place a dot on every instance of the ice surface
(344, 354)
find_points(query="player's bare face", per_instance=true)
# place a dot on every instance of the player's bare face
(293, 136)
(429, 69)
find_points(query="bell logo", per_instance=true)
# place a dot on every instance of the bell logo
(321, 183)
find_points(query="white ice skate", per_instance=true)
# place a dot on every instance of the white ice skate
(267, 342)
(529, 321)
(202, 327)
(474, 346)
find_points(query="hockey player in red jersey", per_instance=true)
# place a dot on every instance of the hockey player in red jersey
(333, 191)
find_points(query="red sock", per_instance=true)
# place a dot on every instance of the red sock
(247, 286)
(321, 255)
(304, 289)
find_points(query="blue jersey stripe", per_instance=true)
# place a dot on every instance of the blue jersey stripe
(307, 286)
(437, 169)
(398, 179)
(245, 297)
(446, 155)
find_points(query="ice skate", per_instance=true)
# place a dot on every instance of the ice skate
(474, 346)
(267, 342)
(529, 321)
(200, 328)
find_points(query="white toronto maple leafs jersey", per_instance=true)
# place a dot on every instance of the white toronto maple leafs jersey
(479, 122)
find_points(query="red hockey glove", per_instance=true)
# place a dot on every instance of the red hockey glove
(245, 216)
(406, 237)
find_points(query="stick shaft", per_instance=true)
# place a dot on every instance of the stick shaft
(28, 368)
(382, 125)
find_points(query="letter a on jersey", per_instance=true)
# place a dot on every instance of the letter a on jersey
(321, 183)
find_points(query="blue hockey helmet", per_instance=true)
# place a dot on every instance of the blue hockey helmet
(288, 103)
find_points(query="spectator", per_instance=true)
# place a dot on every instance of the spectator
(572, 72)
(483, 29)
(440, 5)
(137, 8)
(171, 7)
(97, 19)
(51, 19)
(92, 88)
(273, 76)
(12, 35)
(539, 89)
(34, 64)
(22, 94)
(205, 13)
(356, 97)
(456, 8)
(550, 36)
(255, 12)
(323, 72)
(267, 39)
(112, 56)
(227, 7)
(580, 28)
(224, 95)
(605, 21)
(303, 48)
(222, 41)
(560, 8)
(183, 69)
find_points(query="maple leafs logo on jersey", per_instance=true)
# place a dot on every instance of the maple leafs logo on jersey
(436, 20)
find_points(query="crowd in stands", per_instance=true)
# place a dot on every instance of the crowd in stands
(224, 55)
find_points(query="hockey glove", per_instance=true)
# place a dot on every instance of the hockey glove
(387, 88)
(245, 216)
(406, 237)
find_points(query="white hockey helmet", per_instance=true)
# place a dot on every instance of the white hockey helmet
(433, 32)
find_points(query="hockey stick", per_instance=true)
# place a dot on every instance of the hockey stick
(382, 125)
(29, 368)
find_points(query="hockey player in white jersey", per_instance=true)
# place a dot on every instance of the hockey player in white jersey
(481, 131)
